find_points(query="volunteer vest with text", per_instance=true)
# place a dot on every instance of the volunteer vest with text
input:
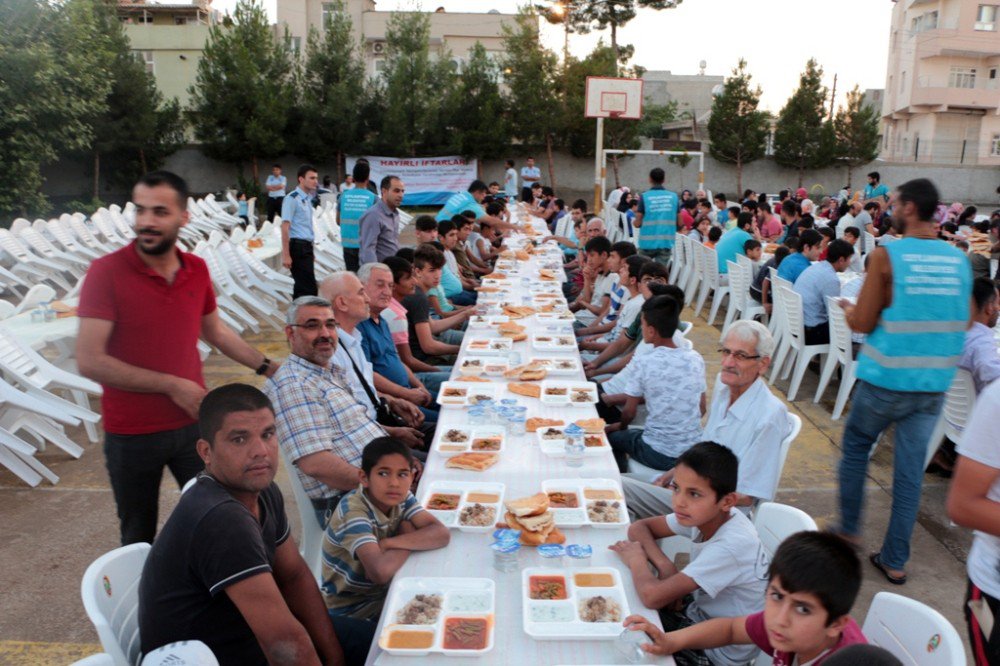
(659, 220)
(917, 342)
(353, 204)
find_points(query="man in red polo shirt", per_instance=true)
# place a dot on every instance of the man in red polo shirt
(142, 310)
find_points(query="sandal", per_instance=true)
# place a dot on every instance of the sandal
(876, 560)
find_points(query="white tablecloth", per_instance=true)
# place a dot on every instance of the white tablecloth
(522, 468)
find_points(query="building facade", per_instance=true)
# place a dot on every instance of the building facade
(454, 32)
(942, 99)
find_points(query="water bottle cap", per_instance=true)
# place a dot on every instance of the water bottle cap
(506, 535)
(550, 550)
(573, 429)
(579, 551)
(506, 546)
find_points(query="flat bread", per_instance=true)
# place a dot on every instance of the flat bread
(470, 378)
(518, 311)
(487, 290)
(536, 422)
(496, 275)
(527, 390)
(546, 274)
(532, 505)
(476, 462)
(521, 255)
(515, 337)
(510, 327)
(532, 375)
(592, 426)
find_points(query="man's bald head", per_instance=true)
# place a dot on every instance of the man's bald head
(350, 302)
(595, 228)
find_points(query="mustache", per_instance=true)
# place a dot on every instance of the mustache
(147, 230)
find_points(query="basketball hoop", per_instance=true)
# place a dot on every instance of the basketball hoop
(615, 114)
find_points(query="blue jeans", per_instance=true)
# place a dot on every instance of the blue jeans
(451, 337)
(662, 255)
(355, 637)
(464, 297)
(432, 380)
(873, 410)
(627, 444)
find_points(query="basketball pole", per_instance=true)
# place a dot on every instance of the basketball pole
(599, 166)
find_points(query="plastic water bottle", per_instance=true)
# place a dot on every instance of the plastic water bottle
(575, 448)
(506, 550)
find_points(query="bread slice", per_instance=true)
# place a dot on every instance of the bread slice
(471, 378)
(527, 390)
(533, 505)
(536, 422)
(543, 522)
(593, 426)
(476, 462)
(532, 375)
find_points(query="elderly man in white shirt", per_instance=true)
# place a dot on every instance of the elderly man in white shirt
(744, 416)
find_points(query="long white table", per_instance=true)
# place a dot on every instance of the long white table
(522, 468)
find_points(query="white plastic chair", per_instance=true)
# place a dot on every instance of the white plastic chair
(7, 309)
(71, 263)
(914, 633)
(959, 401)
(691, 287)
(64, 236)
(32, 266)
(40, 293)
(776, 522)
(712, 281)
(678, 258)
(110, 593)
(181, 653)
(311, 545)
(796, 336)
(78, 226)
(842, 353)
(741, 306)
(99, 659)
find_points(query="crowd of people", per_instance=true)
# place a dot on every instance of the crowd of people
(354, 407)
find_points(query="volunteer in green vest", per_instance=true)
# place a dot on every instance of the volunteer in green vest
(915, 309)
(353, 204)
(657, 219)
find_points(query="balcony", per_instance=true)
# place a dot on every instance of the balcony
(946, 40)
(980, 93)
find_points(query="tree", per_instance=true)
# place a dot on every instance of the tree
(655, 116)
(530, 73)
(240, 101)
(614, 14)
(478, 111)
(737, 131)
(51, 88)
(802, 139)
(333, 92)
(856, 129)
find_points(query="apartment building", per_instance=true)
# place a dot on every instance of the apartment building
(454, 32)
(942, 98)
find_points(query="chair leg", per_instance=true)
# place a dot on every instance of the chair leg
(828, 367)
(80, 398)
(793, 356)
(779, 359)
(20, 468)
(720, 293)
(702, 297)
(800, 370)
(846, 384)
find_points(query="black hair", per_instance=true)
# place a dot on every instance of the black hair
(599, 244)
(704, 202)
(224, 400)
(326, 181)
(559, 204)
(861, 653)
(719, 196)
(381, 447)
(509, 163)
(751, 244)
(807, 221)
(400, 267)
(437, 245)
(923, 194)
(444, 227)
(669, 290)
(735, 210)
(810, 237)
(536, 186)
(361, 172)
(982, 226)
(828, 232)
(764, 206)
(655, 269)
(750, 205)
(744, 221)
(493, 182)
(387, 182)
(875, 175)
(425, 223)
(493, 208)
(714, 462)
(872, 205)
(275, 166)
(547, 191)
(714, 234)
(580, 205)
(792, 243)
(635, 263)
(780, 253)
(171, 180)
(663, 314)
(657, 175)
(624, 249)
(789, 206)
(782, 195)
(821, 564)
(478, 186)
(969, 211)
(304, 169)
(406, 253)
(838, 249)
(843, 209)
(984, 290)
(747, 193)
(852, 231)
(461, 221)
(426, 255)
(689, 204)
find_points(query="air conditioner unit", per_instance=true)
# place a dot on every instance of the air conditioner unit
(378, 48)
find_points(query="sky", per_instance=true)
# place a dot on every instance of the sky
(776, 37)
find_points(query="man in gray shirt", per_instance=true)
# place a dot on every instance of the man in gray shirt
(380, 223)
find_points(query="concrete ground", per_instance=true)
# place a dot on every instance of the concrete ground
(51, 533)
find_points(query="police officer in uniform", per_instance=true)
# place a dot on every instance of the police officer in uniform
(297, 232)
(657, 219)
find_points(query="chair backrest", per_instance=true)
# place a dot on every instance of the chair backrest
(792, 312)
(840, 332)
(958, 404)
(19, 225)
(776, 522)
(737, 285)
(110, 593)
(867, 242)
(312, 533)
(794, 427)
(40, 293)
(710, 265)
(914, 633)
(12, 246)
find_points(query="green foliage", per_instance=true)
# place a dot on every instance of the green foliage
(241, 99)
(332, 86)
(530, 73)
(478, 112)
(654, 117)
(803, 139)
(856, 129)
(737, 130)
(681, 160)
(588, 15)
(85, 206)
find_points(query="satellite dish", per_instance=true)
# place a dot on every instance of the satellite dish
(718, 90)
(703, 64)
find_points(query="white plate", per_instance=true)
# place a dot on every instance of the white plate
(463, 489)
(471, 434)
(578, 517)
(455, 593)
(480, 322)
(554, 342)
(568, 624)
(556, 447)
(468, 391)
(559, 365)
(489, 346)
(571, 390)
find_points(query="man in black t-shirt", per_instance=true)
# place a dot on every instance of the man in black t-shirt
(424, 332)
(224, 570)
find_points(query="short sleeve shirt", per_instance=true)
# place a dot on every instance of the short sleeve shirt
(297, 210)
(276, 180)
(672, 381)
(417, 312)
(380, 350)
(459, 203)
(450, 282)
(156, 327)
(210, 542)
(355, 522)
(979, 443)
(793, 266)
(757, 631)
(510, 182)
(395, 316)
(533, 173)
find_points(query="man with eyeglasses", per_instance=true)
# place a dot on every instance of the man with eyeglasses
(322, 424)
(744, 416)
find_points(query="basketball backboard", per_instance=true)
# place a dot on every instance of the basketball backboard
(613, 98)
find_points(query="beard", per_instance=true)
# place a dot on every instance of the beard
(165, 244)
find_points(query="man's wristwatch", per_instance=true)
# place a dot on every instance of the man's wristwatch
(264, 367)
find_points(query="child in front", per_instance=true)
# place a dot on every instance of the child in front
(371, 534)
(814, 580)
(727, 574)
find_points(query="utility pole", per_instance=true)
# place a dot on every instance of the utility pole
(833, 95)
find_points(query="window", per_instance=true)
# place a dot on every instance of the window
(995, 146)
(146, 58)
(986, 18)
(180, 20)
(329, 9)
(379, 67)
(962, 77)
(294, 45)
(144, 18)
(930, 20)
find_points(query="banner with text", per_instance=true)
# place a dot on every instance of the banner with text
(429, 181)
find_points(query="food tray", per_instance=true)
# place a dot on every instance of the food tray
(555, 447)
(491, 366)
(466, 393)
(443, 446)
(489, 346)
(504, 283)
(566, 317)
(559, 365)
(455, 593)
(564, 615)
(463, 489)
(570, 394)
(487, 321)
(582, 488)
(551, 342)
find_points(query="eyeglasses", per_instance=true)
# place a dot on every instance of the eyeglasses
(738, 355)
(314, 325)
(654, 280)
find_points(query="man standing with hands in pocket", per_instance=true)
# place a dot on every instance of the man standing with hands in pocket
(142, 310)
(297, 233)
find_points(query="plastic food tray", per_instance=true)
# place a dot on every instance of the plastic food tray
(555, 447)
(558, 365)
(554, 343)
(471, 434)
(489, 346)
(456, 593)
(566, 317)
(463, 489)
(469, 392)
(480, 322)
(560, 619)
(491, 366)
(577, 517)
(572, 389)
